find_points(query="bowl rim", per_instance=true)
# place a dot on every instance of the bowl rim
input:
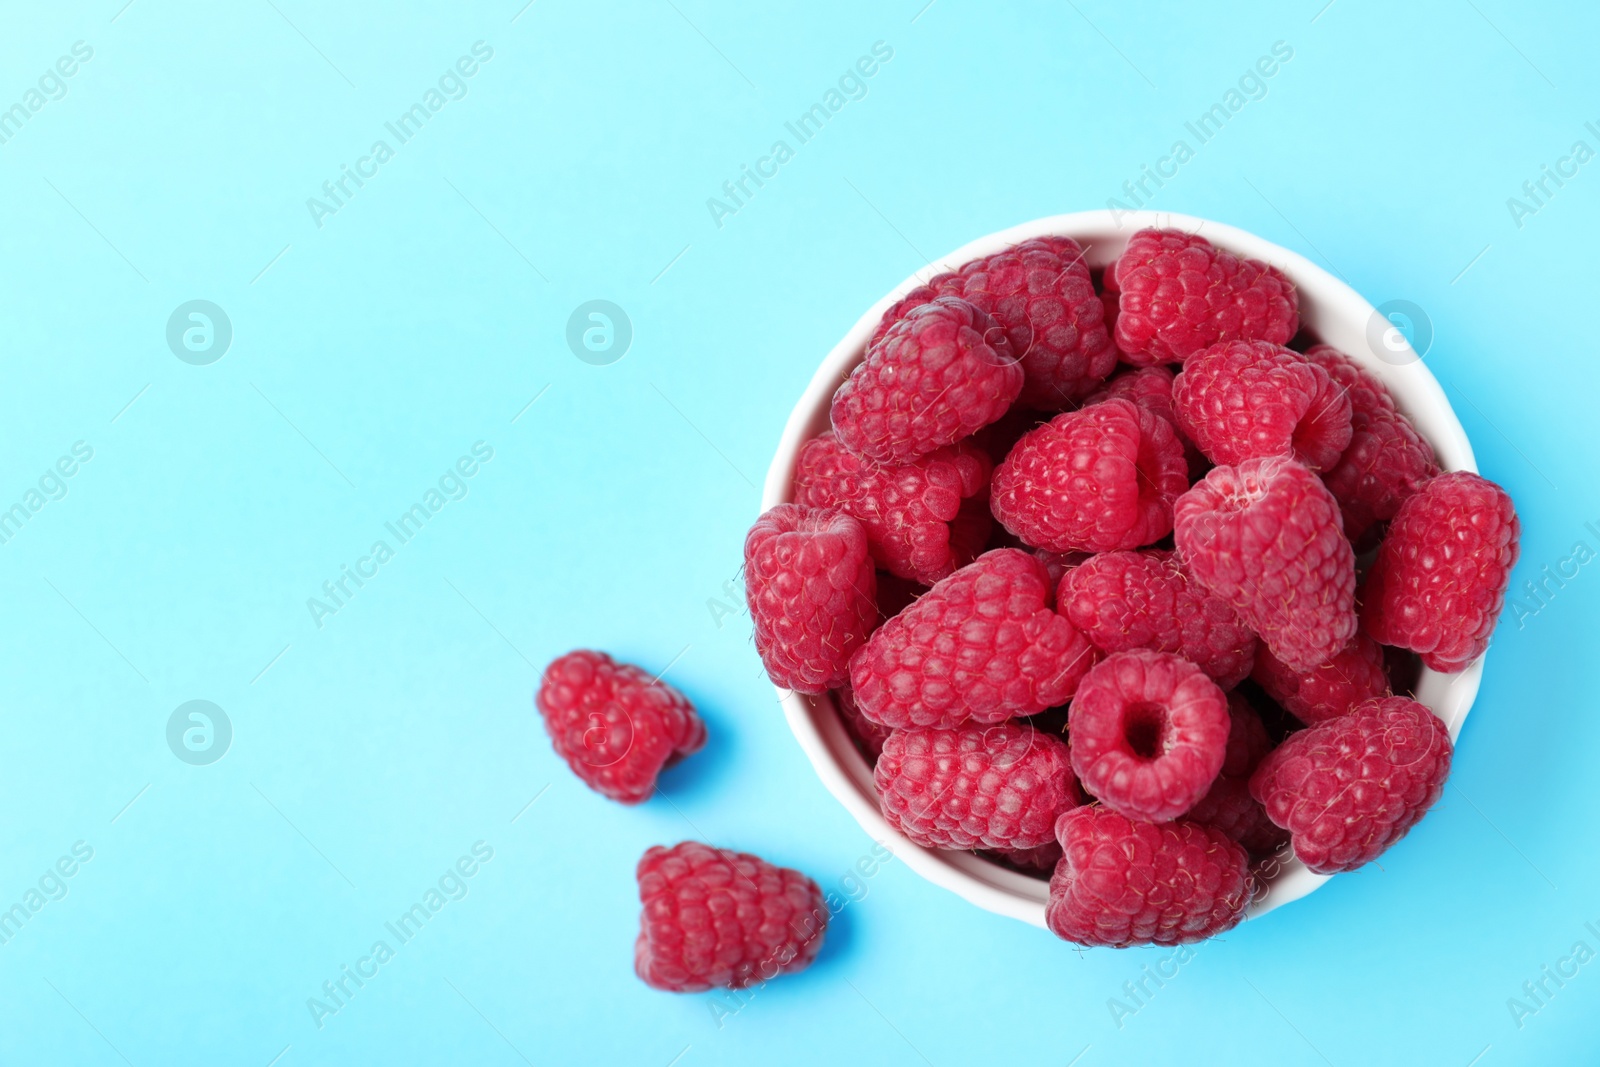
(1333, 310)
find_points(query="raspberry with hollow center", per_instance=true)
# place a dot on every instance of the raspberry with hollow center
(1127, 600)
(936, 376)
(923, 519)
(1242, 399)
(713, 917)
(1440, 578)
(1350, 787)
(1266, 537)
(812, 592)
(1041, 292)
(1094, 480)
(998, 786)
(1149, 732)
(1178, 293)
(616, 726)
(1356, 674)
(1122, 882)
(982, 645)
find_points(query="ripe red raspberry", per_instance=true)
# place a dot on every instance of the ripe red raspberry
(1179, 293)
(1228, 805)
(1354, 675)
(1241, 399)
(615, 725)
(713, 917)
(812, 594)
(1149, 731)
(1122, 882)
(982, 645)
(1350, 787)
(1040, 291)
(923, 519)
(937, 375)
(1441, 574)
(1386, 460)
(1151, 389)
(868, 735)
(1265, 537)
(1097, 479)
(998, 786)
(1129, 600)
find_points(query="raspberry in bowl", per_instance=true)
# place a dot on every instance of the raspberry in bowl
(1166, 499)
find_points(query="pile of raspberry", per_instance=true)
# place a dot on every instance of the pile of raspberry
(1118, 577)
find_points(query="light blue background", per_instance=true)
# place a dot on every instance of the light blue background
(425, 315)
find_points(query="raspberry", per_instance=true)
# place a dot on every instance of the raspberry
(868, 735)
(1129, 600)
(1228, 805)
(1265, 537)
(996, 786)
(1122, 882)
(615, 725)
(937, 375)
(1149, 732)
(812, 594)
(1040, 291)
(1151, 389)
(982, 645)
(1348, 788)
(1441, 574)
(1241, 399)
(1386, 460)
(716, 918)
(1355, 674)
(1179, 293)
(923, 519)
(1097, 479)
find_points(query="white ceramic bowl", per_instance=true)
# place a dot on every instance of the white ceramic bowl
(1328, 307)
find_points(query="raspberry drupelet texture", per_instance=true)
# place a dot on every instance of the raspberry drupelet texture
(1178, 293)
(1386, 460)
(1228, 805)
(923, 519)
(1356, 674)
(1348, 788)
(1041, 293)
(1128, 600)
(999, 786)
(1149, 732)
(1440, 578)
(1122, 882)
(1151, 389)
(982, 645)
(867, 735)
(714, 918)
(936, 376)
(812, 592)
(1242, 399)
(1266, 537)
(614, 724)
(1094, 480)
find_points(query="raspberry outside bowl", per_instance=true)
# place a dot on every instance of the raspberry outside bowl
(1329, 308)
